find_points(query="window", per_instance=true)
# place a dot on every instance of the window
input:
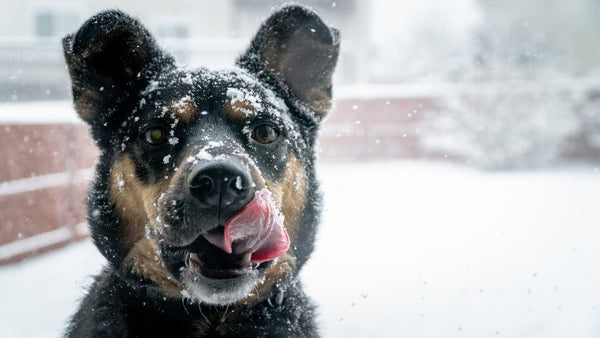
(55, 22)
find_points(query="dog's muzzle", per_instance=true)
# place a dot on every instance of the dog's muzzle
(247, 223)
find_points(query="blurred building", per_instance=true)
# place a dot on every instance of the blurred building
(199, 33)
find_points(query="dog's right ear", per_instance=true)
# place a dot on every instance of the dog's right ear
(299, 51)
(108, 58)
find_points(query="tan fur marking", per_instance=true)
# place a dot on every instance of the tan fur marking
(144, 260)
(135, 202)
(126, 194)
(184, 109)
(290, 193)
(238, 109)
(136, 205)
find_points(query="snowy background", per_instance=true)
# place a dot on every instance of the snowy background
(406, 248)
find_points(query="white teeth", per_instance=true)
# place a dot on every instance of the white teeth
(246, 259)
(194, 260)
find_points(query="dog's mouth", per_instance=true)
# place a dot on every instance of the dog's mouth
(214, 263)
(249, 241)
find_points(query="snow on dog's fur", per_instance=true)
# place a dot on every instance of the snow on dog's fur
(205, 201)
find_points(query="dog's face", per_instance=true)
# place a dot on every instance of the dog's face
(205, 188)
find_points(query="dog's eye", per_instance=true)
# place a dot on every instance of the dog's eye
(156, 135)
(265, 134)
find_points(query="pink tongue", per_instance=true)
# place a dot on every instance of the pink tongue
(257, 228)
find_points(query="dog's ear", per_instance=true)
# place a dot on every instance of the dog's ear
(296, 49)
(109, 57)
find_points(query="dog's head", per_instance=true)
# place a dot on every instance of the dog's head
(205, 187)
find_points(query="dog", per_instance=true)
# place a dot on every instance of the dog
(205, 201)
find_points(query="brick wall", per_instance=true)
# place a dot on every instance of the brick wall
(47, 167)
(44, 177)
(374, 128)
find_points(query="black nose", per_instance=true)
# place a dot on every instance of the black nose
(224, 184)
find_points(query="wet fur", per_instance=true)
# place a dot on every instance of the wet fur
(139, 218)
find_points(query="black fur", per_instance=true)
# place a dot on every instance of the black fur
(122, 82)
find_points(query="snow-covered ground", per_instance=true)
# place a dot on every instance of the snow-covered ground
(406, 249)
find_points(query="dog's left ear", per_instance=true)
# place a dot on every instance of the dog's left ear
(296, 49)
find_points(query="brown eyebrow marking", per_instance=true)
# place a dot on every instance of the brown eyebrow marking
(238, 109)
(184, 109)
(242, 102)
